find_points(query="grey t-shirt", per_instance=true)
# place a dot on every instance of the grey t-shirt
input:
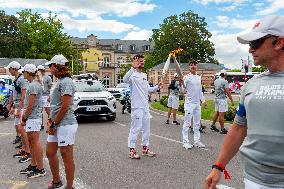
(21, 83)
(175, 92)
(220, 88)
(261, 111)
(34, 88)
(47, 82)
(64, 86)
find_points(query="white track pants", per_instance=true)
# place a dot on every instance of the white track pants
(191, 110)
(140, 119)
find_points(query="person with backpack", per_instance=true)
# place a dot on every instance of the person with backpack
(173, 98)
(19, 92)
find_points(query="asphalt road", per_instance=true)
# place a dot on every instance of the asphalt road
(101, 157)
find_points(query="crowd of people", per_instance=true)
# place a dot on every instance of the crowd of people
(257, 130)
(32, 92)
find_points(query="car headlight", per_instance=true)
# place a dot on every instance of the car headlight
(110, 98)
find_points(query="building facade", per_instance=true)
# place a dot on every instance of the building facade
(106, 57)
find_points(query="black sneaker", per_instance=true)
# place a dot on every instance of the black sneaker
(42, 128)
(53, 185)
(28, 170)
(37, 173)
(214, 128)
(167, 122)
(19, 146)
(176, 123)
(224, 131)
(203, 127)
(25, 158)
(19, 154)
(17, 140)
(201, 130)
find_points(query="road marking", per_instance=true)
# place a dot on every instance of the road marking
(158, 136)
(221, 186)
(15, 184)
(5, 134)
(77, 183)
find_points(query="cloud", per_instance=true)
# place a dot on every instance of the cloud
(138, 35)
(228, 51)
(95, 24)
(275, 6)
(228, 8)
(118, 7)
(226, 22)
(205, 2)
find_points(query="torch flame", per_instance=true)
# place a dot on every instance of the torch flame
(176, 51)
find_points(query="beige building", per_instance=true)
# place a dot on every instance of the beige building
(106, 56)
(205, 70)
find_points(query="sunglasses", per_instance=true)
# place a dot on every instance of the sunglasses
(257, 43)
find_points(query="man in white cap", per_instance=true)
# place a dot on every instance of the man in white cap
(173, 98)
(192, 108)
(258, 125)
(47, 83)
(222, 90)
(18, 97)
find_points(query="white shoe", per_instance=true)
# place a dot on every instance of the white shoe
(199, 145)
(187, 146)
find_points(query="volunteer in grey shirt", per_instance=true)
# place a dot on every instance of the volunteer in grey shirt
(32, 120)
(258, 126)
(221, 105)
(62, 124)
(47, 83)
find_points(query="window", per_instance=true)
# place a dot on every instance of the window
(106, 61)
(106, 81)
(147, 47)
(132, 47)
(120, 47)
(119, 79)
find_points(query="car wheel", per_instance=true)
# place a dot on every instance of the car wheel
(111, 118)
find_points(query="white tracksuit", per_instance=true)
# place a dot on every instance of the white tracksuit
(140, 115)
(194, 95)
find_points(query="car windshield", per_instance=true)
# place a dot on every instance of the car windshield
(122, 85)
(89, 86)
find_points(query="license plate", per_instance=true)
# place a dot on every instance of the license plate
(93, 109)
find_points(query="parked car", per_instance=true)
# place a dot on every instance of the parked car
(118, 90)
(92, 99)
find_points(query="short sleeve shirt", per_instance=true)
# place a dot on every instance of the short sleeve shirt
(34, 88)
(261, 111)
(22, 83)
(47, 82)
(64, 86)
(220, 88)
(175, 92)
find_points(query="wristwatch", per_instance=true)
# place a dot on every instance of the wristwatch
(52, 126)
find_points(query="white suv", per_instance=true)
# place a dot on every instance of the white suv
(92, 99)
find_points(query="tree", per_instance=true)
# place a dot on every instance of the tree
(187, 31)
(258, 69)
(44, 35)
(12, 40)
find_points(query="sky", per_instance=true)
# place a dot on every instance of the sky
(135, 19)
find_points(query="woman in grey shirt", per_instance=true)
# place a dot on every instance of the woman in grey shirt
(62, 123)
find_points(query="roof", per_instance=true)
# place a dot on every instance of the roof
(184, 66)
(5, 61)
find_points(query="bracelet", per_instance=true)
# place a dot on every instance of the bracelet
(222, 168)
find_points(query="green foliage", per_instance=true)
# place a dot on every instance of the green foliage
(187, 31)
(164, 100)
(12, 41)
(181, 107)
(44, 35)
(230, 114)
(258, 69)
(235, 70)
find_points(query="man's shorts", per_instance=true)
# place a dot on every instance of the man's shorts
(64, 135)
(33, 125)
(45, 102)
(221, 105)
(18, 120)
(173, 102)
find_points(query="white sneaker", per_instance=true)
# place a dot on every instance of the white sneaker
(199, 145)
(187, 146)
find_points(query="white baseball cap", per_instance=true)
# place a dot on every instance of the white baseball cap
(59, 59)
(31, 68)
(14, 64)
(273, 25)
(40, 67)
